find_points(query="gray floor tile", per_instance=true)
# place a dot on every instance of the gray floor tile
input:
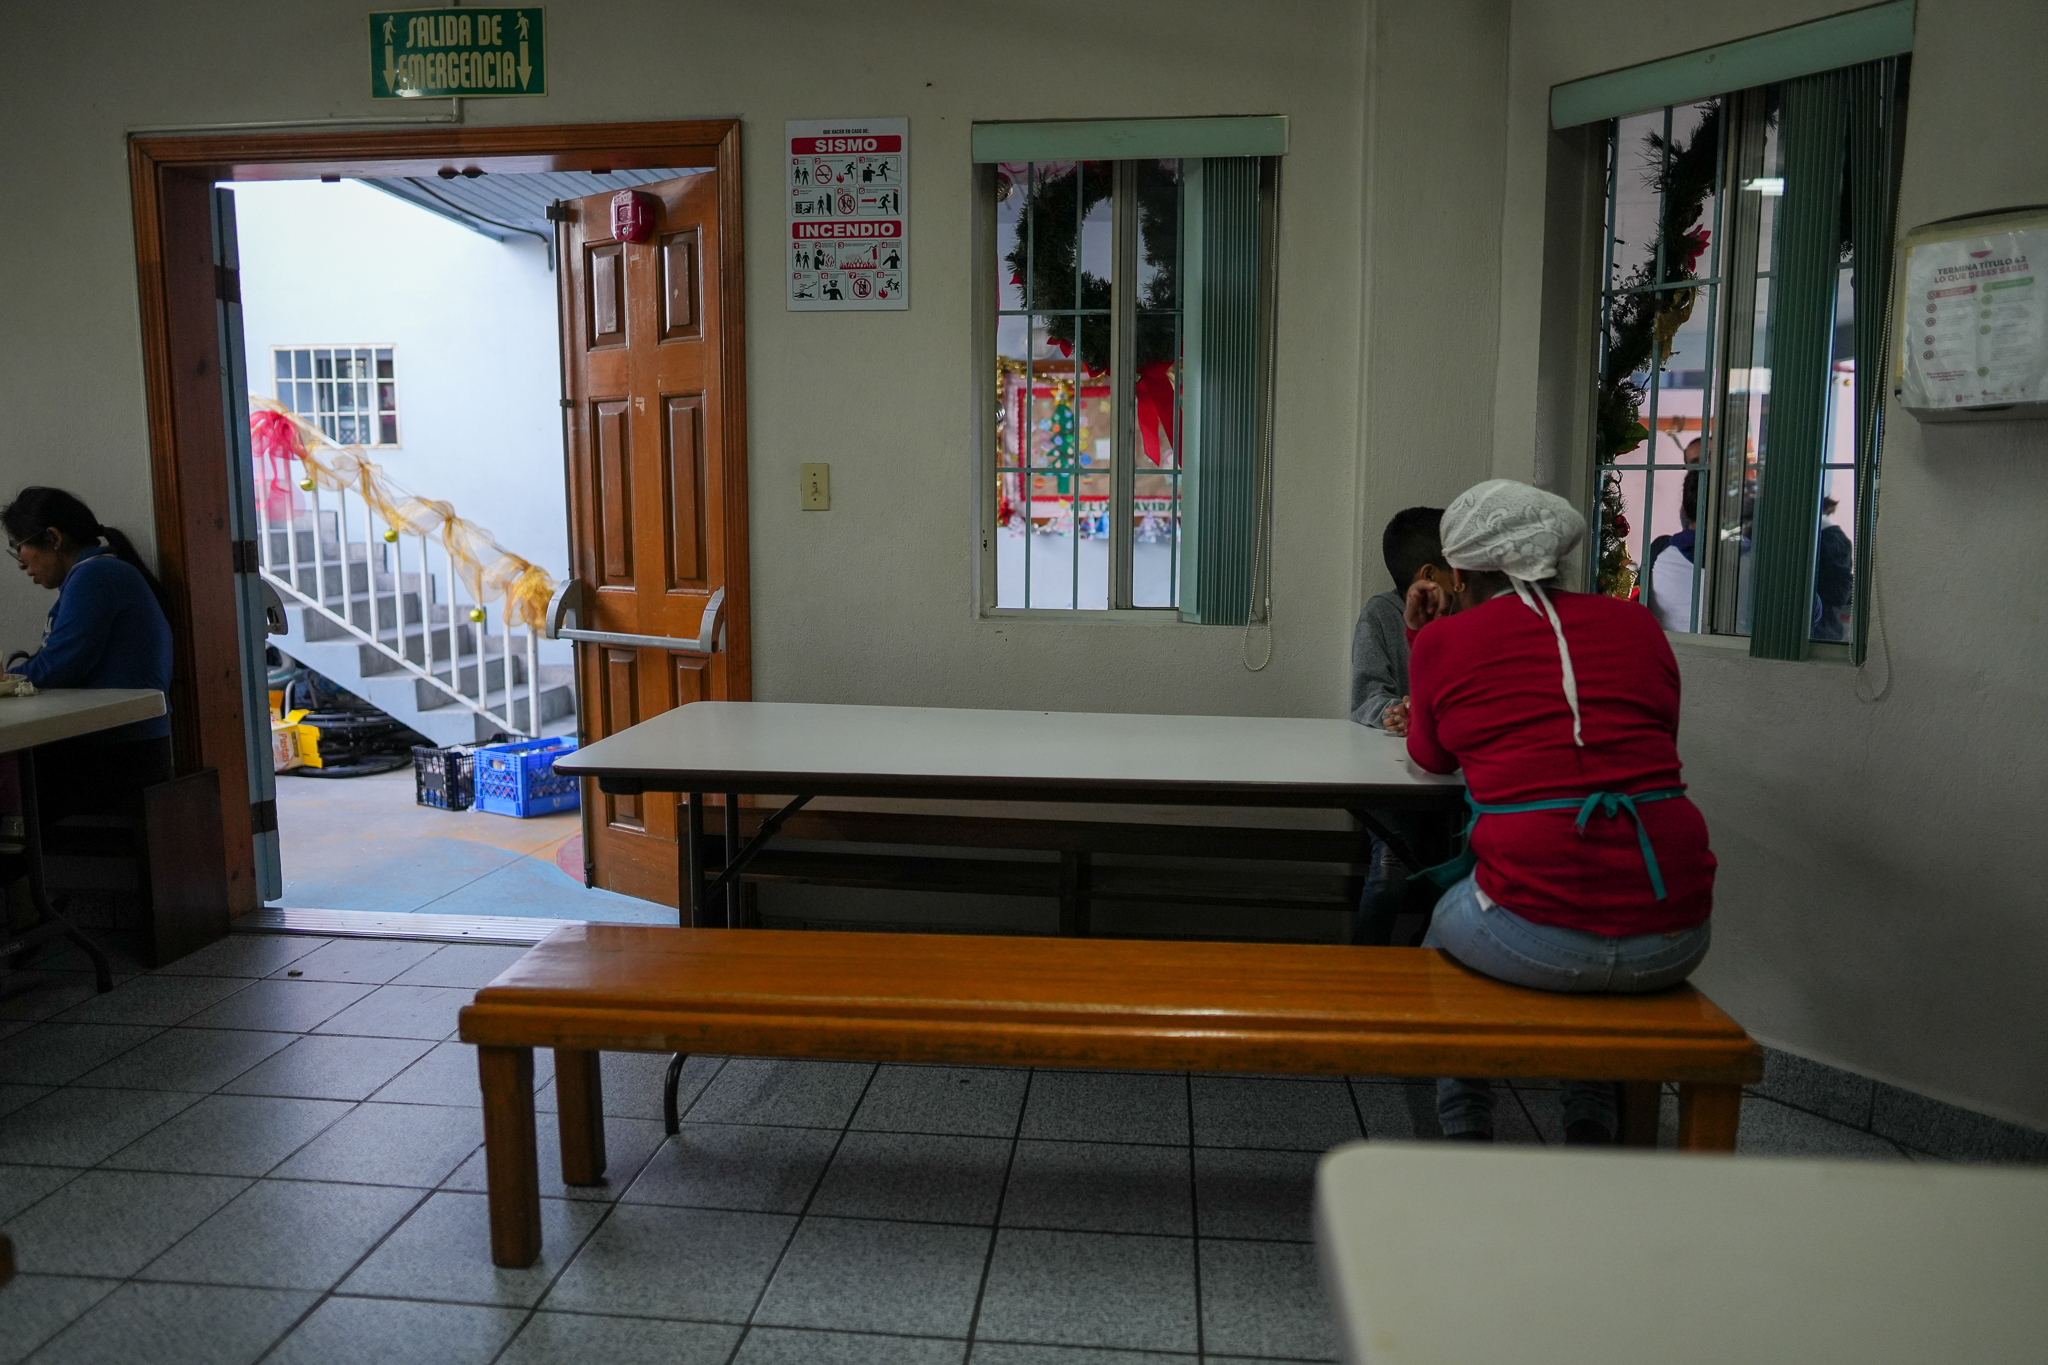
(922, 1176)
(245, 955)
(58, 1053)
(795, 1094)
(1401, 1111)
(1264, 1299)
(553, 1338)
(34, 1308)
(390, 1144)
(1773, 1129)
(76, 1127)
(628, 1143)
(402, 1012)
(1017, 1353)
(281, 1006)
(1103, 1106)
(198, 1059)
(13, 1097)
(1255, 1194)
(285, 1234)
(1090, 1289)
(10, 1027)
(1945, 1130)
(1527, 1116)
(1824, 1090)
(371, 960)
(21, 1186)
(116, 1222)
(632, 1082)
(445, 1075)
(443, 1251)
(468, 965)
(330, 1068)
(708, 1265)
(1254, 1360)
(230, 1135)
(162, 1000)
(362, 1331)
(40, 994)
(177, 1324)
(797, 1346)
(1309, 1116)
(916, 1279)
(1100, 1187)
(728, 1166)
(969, 1100)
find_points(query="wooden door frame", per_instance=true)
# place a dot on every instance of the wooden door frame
(170, 179)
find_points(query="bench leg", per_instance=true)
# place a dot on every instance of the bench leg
(671, 1121)
(1640, 1101)
(579, 1092)
(1708, 1116)
(511, 1162)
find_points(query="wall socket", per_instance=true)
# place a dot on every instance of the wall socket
(816, 484)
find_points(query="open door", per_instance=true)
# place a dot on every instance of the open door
(651, 336)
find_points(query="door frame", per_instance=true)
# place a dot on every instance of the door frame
(170, 178)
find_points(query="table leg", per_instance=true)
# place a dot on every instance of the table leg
(511, 1159)
(579, 1095)
(690, 906)
(1640, 1101)
(52, 925)
(734, 917)
(1708, 1116)
(671, 1120)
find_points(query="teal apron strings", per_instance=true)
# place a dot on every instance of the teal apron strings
(1610, 804)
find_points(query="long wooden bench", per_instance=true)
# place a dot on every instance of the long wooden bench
(1119, 1003)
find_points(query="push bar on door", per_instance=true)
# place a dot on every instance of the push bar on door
(567, 607)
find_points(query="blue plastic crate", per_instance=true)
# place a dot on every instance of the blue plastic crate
(519, 779)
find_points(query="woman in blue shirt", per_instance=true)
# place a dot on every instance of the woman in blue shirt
(107, 629)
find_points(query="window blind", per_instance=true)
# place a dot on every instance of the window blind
(1130, 139)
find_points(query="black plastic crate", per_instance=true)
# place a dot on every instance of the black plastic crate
(444, 778)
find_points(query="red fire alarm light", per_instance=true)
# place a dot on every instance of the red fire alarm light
(633, 215)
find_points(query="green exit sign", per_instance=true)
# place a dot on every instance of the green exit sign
(437, 53)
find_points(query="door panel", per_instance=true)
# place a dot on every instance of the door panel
(657, 479)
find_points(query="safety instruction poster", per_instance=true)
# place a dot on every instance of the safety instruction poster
(1974, 326)
(849, 214)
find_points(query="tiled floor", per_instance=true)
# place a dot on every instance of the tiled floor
(362, 843)
(270, 1151)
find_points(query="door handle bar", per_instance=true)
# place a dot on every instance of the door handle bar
(566, 609)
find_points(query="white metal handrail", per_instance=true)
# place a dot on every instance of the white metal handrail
(384, 555)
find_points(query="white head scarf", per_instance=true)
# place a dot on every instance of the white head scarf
(1511, 528)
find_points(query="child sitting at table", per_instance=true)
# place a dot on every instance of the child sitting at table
(1379, 642)
(1587, 868)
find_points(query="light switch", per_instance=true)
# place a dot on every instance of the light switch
(817, 487)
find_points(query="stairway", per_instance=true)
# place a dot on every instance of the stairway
(438, 642)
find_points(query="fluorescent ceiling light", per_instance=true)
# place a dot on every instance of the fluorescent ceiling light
(1766, 184)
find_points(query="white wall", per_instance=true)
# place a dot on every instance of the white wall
(1881, 903)
(472, 324)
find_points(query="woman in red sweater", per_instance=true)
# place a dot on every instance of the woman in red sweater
(1592, 868)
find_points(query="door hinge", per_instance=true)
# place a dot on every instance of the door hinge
(263, 817)
(559, 212)
(227, 284)
(243, 553)
(568, 402)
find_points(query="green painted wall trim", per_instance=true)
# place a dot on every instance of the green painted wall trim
(1862, 35)
(1130, 138)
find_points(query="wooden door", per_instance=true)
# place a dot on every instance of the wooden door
(651, 345)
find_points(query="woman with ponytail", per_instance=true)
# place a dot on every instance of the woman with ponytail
(107, 629)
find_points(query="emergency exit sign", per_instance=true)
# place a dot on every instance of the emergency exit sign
(438, 53)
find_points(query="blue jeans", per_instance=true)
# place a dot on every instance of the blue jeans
(1501, 944)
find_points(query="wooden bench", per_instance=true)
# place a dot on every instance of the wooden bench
(1119, 1003)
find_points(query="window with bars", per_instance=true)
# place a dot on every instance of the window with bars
(349, 392)
(1735, 451)
(1131, 310)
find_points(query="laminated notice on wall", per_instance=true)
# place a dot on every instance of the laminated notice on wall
(1973, 319)
(849, 214)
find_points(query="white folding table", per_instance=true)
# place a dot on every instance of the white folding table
(1448, 1253)
(25, 724)
(806, 750)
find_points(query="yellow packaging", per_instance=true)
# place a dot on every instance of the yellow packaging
(289, 742)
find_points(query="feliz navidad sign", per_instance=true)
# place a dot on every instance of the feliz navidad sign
(439, 53)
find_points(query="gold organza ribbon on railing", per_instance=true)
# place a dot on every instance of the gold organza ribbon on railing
(486, 568)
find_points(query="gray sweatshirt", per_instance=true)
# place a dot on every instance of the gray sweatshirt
(1379, 658)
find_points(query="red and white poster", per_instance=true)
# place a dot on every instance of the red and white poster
(849, 214)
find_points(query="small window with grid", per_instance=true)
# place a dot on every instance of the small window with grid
(349, 392)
